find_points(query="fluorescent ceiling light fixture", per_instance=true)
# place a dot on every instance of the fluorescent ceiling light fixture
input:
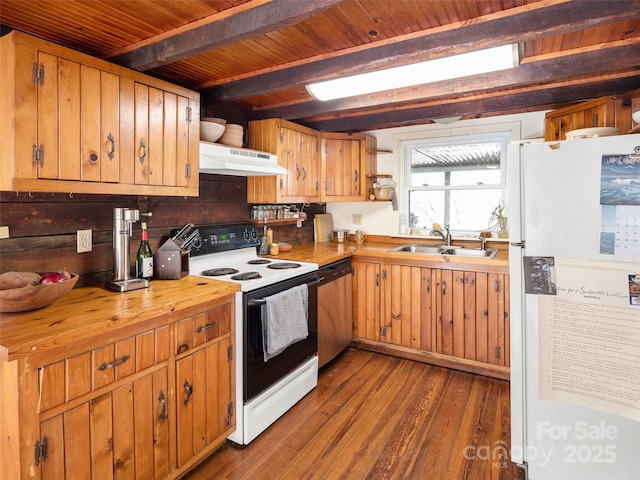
(465, 64)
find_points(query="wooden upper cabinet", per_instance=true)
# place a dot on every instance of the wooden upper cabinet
(77, 124)
(298, 151)
(600, 112)
(344, 166)
(321, 167)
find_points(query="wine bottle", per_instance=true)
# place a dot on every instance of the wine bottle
(144, 267)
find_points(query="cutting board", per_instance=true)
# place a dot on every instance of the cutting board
(322, 227)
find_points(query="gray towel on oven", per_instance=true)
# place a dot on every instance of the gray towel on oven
(284, 320)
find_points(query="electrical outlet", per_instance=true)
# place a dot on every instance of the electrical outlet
(84, 241)
(4, 232)
(356, 219)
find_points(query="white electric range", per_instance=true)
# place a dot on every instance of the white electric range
(265, 390)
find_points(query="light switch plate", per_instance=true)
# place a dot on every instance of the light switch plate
(84, 241)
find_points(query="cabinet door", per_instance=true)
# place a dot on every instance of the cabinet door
(204, 389)
(299, 155)
(366, 292)
(48, 123)
(343, 163)
(78, 131)
(472, 315)
(297, 148)
(120, 434)
(164, 151)
(406, 313)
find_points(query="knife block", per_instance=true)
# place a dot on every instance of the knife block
(170, 262)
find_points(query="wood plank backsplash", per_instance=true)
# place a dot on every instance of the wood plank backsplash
(42, 226)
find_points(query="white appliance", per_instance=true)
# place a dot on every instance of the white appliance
(223, 160)
(264, 390)
(575, 334)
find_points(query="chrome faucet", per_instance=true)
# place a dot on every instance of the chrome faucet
(445, 236)
(483, 242)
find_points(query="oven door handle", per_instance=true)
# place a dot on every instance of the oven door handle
(257, 302)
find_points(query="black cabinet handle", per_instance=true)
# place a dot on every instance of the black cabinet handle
(143, 150)
(114, 364)
(206, 327)
(188, 389)
(162, 416)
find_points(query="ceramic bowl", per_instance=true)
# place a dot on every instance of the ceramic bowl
(285, 247)
(210, 131)
(221, 121)
(32, 297)
(636, 117)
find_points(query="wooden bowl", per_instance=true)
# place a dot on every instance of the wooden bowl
(32, 297)
(285, 247)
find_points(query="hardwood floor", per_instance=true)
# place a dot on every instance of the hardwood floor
(374, 416)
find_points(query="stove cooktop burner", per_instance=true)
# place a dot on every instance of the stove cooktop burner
(283, 265)
(216, 272)
(247, 276)
(259, 261)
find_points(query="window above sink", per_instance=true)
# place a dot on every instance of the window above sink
(455, 181)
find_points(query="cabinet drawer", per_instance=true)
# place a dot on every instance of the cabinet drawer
(202, 327)
(72, 377)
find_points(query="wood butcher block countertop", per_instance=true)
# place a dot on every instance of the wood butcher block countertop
(378, 249)
(84, 314)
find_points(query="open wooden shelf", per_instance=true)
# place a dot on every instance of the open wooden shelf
(279, 221)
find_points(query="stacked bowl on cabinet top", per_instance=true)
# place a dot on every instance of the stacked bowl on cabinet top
(217, 130)
(233, 136)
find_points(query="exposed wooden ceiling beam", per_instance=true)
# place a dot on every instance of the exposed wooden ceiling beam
(550, 17)
(566, 64)
(218, 31)
(495, 103)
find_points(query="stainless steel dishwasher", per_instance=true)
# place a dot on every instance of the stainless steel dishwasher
(335, 309)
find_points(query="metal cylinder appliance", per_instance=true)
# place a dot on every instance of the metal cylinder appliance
(123, 220)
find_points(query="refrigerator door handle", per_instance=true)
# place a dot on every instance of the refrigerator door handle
(518, 244)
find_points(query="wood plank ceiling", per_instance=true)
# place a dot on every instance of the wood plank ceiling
(261, 53)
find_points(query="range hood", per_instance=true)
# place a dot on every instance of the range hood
(223, 160)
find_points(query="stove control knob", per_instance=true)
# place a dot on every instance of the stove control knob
(246, 234)
(254, 234)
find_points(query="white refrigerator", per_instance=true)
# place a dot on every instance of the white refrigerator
(574, 230)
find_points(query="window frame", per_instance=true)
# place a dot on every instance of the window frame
(500, 135)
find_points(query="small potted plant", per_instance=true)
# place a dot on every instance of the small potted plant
(498, 221)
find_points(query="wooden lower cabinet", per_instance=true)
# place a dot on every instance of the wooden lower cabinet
(149, 405)
(204, 399)
(452, 318)
(366, 300)
(471, 310)
(123, 433)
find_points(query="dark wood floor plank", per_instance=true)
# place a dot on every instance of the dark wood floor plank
(374, 416)
(368, 441)
(355, 411)
(405, 442)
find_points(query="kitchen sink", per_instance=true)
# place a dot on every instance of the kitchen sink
(456, 251)
(419, 249)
